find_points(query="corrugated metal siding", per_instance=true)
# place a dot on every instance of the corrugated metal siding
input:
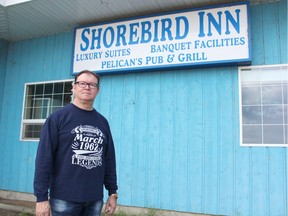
(269, 33)
(43, 59)
(3, 60)
(176, 132)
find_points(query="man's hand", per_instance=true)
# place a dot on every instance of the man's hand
(111, 204)
(43, 208)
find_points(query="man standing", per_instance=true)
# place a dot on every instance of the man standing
(76, 157)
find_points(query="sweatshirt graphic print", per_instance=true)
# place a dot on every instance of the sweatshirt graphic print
(87, 146)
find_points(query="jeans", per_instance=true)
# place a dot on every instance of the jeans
(65, 208)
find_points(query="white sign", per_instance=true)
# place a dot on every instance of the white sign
(187, 38)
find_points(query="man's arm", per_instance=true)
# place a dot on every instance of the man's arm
(110, 177)
(44, 160)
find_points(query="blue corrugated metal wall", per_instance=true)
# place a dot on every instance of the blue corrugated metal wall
(3, 60)
(28, 61)
(176, 132)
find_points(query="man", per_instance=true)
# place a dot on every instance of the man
(76, 157)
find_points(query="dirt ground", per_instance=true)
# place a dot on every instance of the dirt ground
(4, 212)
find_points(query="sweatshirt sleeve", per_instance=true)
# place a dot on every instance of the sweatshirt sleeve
(110, 178)
(44, 159)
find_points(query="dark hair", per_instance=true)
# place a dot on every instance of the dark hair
(88, 72)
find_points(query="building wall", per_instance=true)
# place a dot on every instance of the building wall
(36, 60)
(3, 60)
(176, 132)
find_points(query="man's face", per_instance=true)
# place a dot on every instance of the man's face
(87, 93)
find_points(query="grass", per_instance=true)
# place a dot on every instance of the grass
(25, 214)
(151, 212)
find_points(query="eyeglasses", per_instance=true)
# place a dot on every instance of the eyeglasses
(84, 84)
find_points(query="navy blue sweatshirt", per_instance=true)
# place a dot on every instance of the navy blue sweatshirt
(75, 157)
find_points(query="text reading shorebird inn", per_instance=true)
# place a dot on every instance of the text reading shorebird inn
(196, 37)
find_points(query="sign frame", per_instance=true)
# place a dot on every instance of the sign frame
(123, 46)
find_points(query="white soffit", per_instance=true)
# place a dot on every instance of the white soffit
(11, 2)
(27, 19)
